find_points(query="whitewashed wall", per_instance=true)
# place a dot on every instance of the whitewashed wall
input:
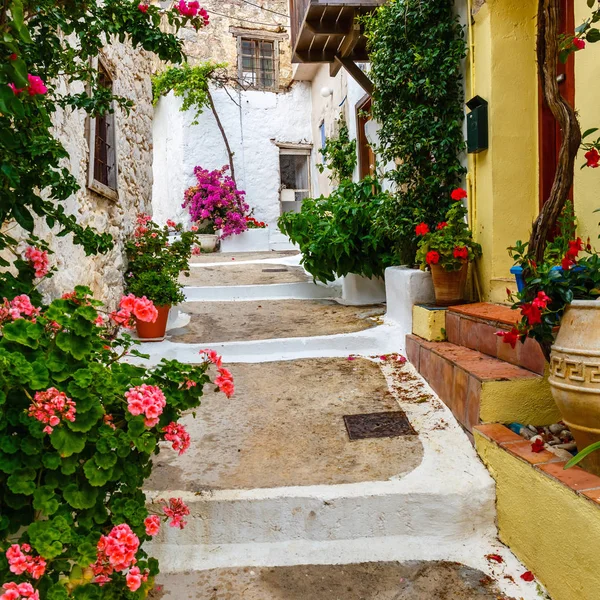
(261, 120)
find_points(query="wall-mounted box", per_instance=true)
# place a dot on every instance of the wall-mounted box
(477, 125)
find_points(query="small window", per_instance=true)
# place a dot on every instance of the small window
(103, 176)
(259, 63)
(294, 165)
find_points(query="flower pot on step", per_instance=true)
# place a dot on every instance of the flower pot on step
(449, 286)
(251, 240)
(154, 331)
(575, 375)
(208, 242)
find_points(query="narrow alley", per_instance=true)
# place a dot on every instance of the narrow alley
(283, 504)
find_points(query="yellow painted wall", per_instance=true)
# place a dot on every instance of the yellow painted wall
(586, 187)
(553, 530)
(503, 180)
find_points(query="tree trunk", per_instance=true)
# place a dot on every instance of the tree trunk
(564, 113)
(222, 130)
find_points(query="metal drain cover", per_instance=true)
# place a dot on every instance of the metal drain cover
(378, 425)
(274, 270)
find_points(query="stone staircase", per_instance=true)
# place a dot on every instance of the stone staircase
(477, 375)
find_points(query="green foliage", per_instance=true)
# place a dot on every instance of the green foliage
(56, 41)
(155, 261)
(339, 154)
(60, 492)
(449, 241)
(191, 83)
(336, 234)
(416, 49)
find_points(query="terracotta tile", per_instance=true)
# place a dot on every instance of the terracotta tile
(412, 351)
(498, 433)
(506, 352)
(469, 337)
(592, 495)
(453, 327)
(424, 362)
(488, 340)
(523, 450)
(441, 379)
(575, 478)
(460, 391)
(531, 356)
(488, 312)
(473, 403)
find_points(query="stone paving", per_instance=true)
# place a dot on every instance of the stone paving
(283, 505)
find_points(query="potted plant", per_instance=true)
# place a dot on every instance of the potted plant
(155, 263)
(560, 309)
(447, 252)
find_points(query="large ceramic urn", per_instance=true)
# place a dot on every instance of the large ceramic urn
(575, 375)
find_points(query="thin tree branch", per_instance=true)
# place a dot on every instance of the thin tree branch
(223, 134)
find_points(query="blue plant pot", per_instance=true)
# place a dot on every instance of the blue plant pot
(518, 273)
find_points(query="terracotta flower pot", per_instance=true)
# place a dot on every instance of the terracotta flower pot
(575, 375)
(449, 286)
(154, 331)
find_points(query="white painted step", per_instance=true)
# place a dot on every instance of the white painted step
(274, 291)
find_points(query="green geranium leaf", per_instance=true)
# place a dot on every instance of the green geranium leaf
(49, 537)
(87, 312)
(80, 496)
(86, 554)
(23, 332)
(83, 377)
(57, 592)
(67, 442)
(105, 461)
(45, 500)
(69, 465)
(9, 443)
(9, 462)
(39, 377)
(85, 421)
(86, 592)
(22, 481)
(77, 346)
(95, 475)
(31, 446)
(145, 443)
(136, 426)
(51, 460)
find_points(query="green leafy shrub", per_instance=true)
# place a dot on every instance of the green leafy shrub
(155, 260)
(339, 154)
(336, 234)
(78, 429)
(416, 50)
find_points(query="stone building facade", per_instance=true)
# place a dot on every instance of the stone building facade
(107, 211)
(265, 114)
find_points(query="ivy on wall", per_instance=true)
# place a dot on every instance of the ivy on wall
(339, 154)
(416, 49)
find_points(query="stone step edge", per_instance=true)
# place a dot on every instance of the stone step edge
(462, 311)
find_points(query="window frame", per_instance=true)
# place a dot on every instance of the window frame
(93, 184)
(256, 36)
(296, 150)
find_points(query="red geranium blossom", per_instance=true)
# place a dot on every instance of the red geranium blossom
(432, 257)
(441, 225)
(422, 229)
(458, 194)
(593, 158)
(461, 252)
(579, 43)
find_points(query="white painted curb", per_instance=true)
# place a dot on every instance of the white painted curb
(274, 291)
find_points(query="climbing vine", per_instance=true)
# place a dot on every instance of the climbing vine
(416, 49)
(339, 154)
(46, 49)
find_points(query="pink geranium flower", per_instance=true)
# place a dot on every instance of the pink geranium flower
(176, 510)
(51, 407)
(152, 525)
(36, 86)
(147, 400)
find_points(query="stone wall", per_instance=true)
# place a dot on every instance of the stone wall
(103, 274)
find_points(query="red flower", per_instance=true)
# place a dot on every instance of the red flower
(441, 225)
(494, 558)
(537, 446)
(509, 337)
(532, 313)
(432, 257)
(579, 43)
(528, 576)
(566, 263)
(593, 158)
(143, 7)
(13, 56)
(541, 301)
(458, 194)
(422, 229)
(461, 252)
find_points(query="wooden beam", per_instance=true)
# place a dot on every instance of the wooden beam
(353, 69)
(327, 56)
(346, 48)
(329, 28)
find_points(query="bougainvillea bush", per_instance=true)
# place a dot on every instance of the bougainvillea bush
(451, 243)
(78, 429)
(216, 199)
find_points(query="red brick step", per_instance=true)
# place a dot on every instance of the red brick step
(475, 325)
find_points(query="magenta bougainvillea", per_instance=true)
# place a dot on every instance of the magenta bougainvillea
(217, 200)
